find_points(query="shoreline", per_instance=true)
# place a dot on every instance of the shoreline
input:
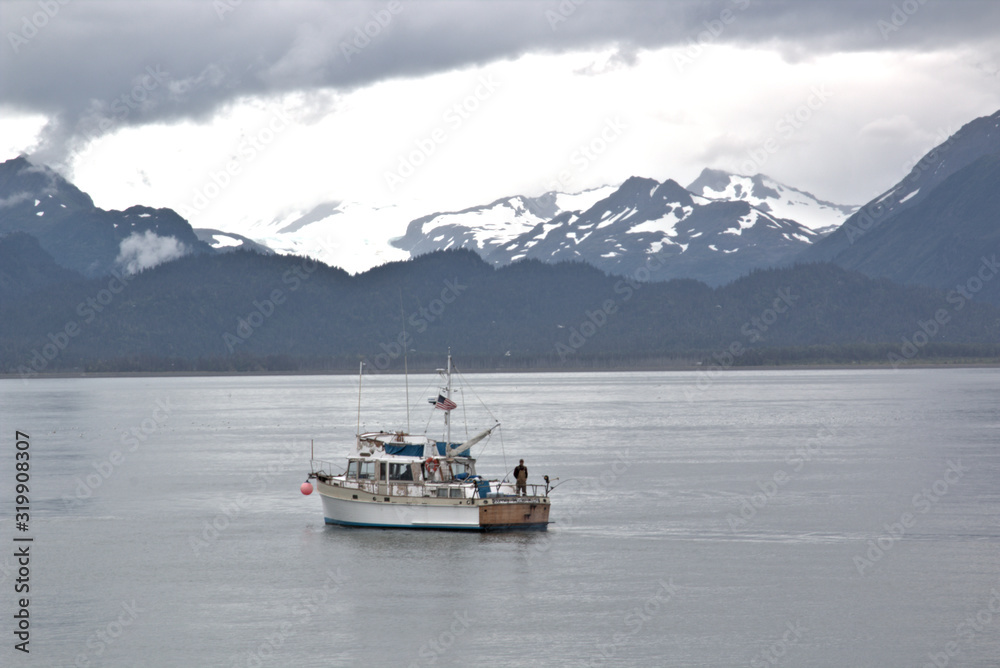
(578, 369)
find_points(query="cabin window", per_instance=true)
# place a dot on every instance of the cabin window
(443, 493)
(400, 472)
(457, 493)
(352, 469)
(367, 471)
(458, 467)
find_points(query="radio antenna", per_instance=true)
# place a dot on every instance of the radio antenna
(406, 369)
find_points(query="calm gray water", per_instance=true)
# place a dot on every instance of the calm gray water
(759, 518)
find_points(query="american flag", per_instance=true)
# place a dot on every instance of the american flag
(442, 403)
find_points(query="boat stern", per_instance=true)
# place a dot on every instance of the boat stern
(514, 514)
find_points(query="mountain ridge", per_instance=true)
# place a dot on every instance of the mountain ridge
(80, 236)
(766, 194)
(938, 225)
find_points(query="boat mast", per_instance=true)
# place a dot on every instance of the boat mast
(447, 395)
(406, 368)
(361, 370)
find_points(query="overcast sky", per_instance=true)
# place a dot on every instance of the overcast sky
(233, 111)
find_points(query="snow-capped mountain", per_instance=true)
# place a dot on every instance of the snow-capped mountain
(486, 228)
(666, 229)
(356, 237)
(770, 196)
(694, 234)
(615, 228)
(348, 235)
(725, 214)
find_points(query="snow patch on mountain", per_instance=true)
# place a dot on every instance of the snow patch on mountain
(485, 228)
(348, 235)
(766, 194)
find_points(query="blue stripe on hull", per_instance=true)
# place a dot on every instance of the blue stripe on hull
(544, 526)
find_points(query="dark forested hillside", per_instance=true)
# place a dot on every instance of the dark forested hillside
(219, 311)
(25, 267)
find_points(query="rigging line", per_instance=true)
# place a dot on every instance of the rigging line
(486, 443)
(465, 383)
(430, 416)
(424, 392)
(503, 453)
(465, 416)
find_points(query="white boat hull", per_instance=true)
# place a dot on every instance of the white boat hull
(469, 514)
(399, 515)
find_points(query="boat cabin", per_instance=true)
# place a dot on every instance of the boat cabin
(394, 469)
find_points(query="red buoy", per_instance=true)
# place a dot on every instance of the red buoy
(306, 488)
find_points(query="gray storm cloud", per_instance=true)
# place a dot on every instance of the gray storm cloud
(146, 250)
(93, 68)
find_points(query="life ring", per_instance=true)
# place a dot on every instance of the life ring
(432, 465)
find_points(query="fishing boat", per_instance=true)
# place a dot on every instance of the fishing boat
(395, 479)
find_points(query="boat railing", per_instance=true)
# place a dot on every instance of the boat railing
(508, 489)
(324, 467)
(421, 488)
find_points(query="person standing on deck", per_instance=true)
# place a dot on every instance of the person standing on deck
(521, 477)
